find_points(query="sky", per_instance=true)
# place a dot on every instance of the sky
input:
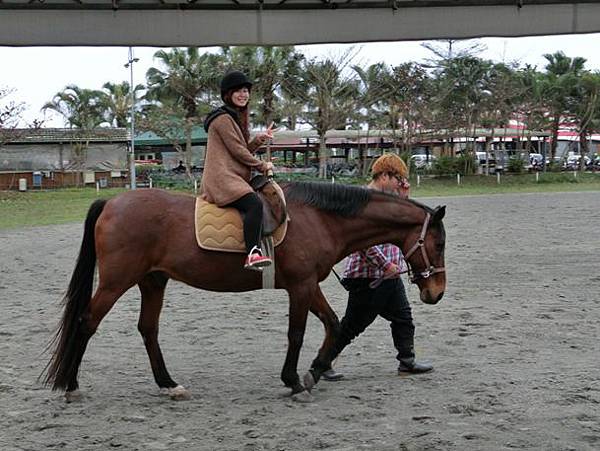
(35, 74)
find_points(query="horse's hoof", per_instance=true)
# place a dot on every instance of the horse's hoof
(179, 393)
(73, 396)
(309, 381)
(303, 396)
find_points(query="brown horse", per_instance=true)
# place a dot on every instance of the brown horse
(146, 237)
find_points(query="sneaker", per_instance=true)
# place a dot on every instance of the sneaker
(256, 260)
(332, 375)
(412, 367)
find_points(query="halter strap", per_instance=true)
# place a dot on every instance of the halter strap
(430, 270)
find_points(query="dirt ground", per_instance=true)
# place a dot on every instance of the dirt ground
(514, 343)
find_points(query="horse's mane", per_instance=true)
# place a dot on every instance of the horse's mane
(343, 200)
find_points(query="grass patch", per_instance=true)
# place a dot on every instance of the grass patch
(511, 183)
(37, 208)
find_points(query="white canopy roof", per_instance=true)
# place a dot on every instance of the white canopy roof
(276, 22)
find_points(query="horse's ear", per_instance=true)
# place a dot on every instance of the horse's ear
(439, 213)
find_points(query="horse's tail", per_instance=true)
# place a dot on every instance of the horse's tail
(64, 363)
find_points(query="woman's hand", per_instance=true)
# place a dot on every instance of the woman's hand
(263, 138)
(269, 166)
(404, 188)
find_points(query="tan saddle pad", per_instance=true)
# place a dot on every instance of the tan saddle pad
(221, 229)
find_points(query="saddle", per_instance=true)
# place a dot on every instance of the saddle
(221, 229)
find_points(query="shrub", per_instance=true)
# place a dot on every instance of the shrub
(445, 166)
(515, 164)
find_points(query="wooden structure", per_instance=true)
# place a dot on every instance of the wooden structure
(56, 157)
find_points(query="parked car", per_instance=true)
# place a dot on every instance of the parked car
(536, 162)
(483, 159)
(421, 161)
(573, 161)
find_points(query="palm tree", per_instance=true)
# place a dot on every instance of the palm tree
(187, 77)
(81, 109)
(268, 67)
(186, 86)
(407, 92)
(560, 82)
(116, 102)
(330, 99)
(586, 109)
(292, 91)
(372, 103)
(463, 88)
(531, 106)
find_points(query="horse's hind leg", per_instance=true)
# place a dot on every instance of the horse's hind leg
(100, 304)
(152, 287)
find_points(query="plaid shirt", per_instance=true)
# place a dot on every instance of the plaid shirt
(373, 262)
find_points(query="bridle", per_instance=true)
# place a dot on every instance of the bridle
(430, 269)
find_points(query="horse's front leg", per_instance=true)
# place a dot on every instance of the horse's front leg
(322, 310)
(300, 300)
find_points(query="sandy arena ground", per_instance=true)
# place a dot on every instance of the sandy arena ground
(515, 344)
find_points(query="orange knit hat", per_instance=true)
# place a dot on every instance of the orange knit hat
(390, 163)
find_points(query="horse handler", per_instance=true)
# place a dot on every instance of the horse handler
(372, 277)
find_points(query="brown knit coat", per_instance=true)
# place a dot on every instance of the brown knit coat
(228, 162)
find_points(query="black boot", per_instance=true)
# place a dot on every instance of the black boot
(332, 375)
(411, 366)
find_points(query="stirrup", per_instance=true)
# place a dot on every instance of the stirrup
(256, 260)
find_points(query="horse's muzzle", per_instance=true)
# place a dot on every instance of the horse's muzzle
(429, 296)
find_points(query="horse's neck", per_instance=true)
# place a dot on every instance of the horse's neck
(383, 220)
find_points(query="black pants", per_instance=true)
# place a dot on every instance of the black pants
(389, 301)
(251, 208)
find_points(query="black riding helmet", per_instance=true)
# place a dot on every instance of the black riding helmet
(234, 79)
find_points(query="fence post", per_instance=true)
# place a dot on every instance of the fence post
(537, 177)
(458, 178)
(97, 188)
(498, 178)
(195, 186)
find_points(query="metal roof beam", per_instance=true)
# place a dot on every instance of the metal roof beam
(210, 24)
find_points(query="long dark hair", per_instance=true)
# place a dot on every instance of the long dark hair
(243, 121)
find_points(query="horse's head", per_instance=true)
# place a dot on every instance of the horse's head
(424, 253)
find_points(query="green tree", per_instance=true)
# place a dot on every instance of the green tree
(531, 106)
(586, 110)
(82, 110)
(10, 115)
(372, 107)
(330, 98)
(559, 88)
(182, 90)
(80, 107)
(186, 77)
(463, 88)
(407, 91)
(116, 102)
(268, 67)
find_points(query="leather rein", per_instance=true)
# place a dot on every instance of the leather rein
(420, 244)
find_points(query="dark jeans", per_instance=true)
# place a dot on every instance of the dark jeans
(389, 301)
(251, 208)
